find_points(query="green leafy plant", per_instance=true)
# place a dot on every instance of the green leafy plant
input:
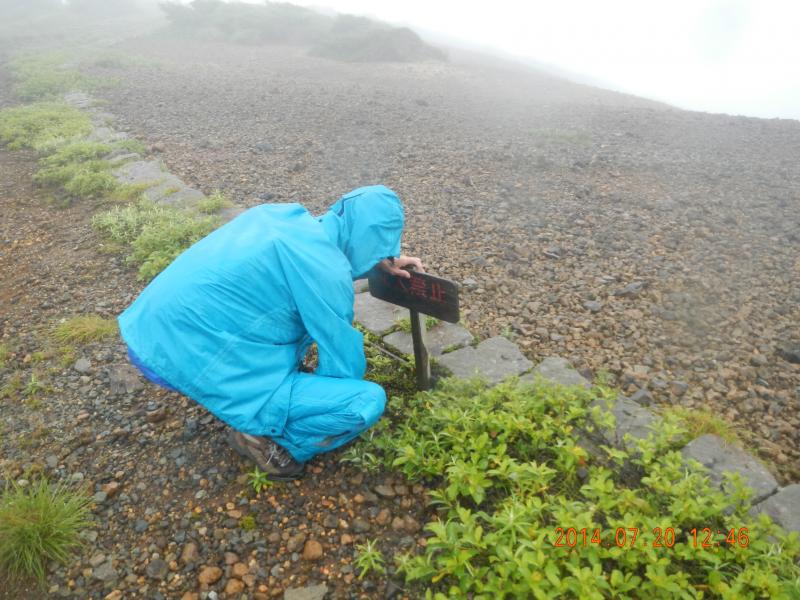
(39, 523)
(508, 333)
(85, 328)
(34, 387)
(43, 126)
(508, 470)
(259, 480)
(362, 454)
(369, 558)
(395, 377)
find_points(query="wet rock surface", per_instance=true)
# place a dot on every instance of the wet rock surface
(443, 337)
(494, 359)
(718, 456)
(783, 507)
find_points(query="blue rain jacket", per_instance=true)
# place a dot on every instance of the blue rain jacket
(229, 321)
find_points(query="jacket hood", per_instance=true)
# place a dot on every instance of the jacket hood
(366, 225)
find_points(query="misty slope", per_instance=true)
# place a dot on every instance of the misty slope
(497, 165)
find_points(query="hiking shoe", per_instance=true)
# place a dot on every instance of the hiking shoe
(269, 456)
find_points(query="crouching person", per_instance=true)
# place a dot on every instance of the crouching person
(229, 322)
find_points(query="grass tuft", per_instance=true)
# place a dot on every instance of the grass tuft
(86, 328)
(42, 126)
(12, 386)
(79, 169)
(155, 235)
(698, 422)
(132, 145)
(39, 523)
(213, 203)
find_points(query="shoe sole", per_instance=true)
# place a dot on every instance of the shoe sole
(245, 453)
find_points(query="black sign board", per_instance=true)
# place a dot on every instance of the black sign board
(424, 293)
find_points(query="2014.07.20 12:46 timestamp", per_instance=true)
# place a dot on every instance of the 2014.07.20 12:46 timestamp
(629, 537)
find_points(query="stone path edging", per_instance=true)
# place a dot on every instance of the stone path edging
(159, 185)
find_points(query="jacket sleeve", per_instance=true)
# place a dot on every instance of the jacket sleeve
(324, 300)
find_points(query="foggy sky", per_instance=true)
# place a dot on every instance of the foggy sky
(731, 56)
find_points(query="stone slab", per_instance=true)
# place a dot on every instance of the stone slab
(167, 194)
(719, 456)
(437, 338)
(122, 158)
(630, 418)
(556, 370)
(140, 172)
(360, 286)
(376, 315)
(165, 188)
(106, 135)
(783, 507)
(311, 592)
(125, 379)
(494, 359)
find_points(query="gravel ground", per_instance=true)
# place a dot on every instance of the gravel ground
(657, 244)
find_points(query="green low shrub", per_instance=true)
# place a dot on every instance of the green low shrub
(78, 168)
(43, 126)
(154, 235)
(525, 512)
(39, 523)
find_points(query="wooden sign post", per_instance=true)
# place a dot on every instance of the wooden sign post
(421, 293)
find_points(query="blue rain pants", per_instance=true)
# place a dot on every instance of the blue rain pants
(341, 409)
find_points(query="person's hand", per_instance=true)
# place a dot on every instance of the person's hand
(400, 262)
